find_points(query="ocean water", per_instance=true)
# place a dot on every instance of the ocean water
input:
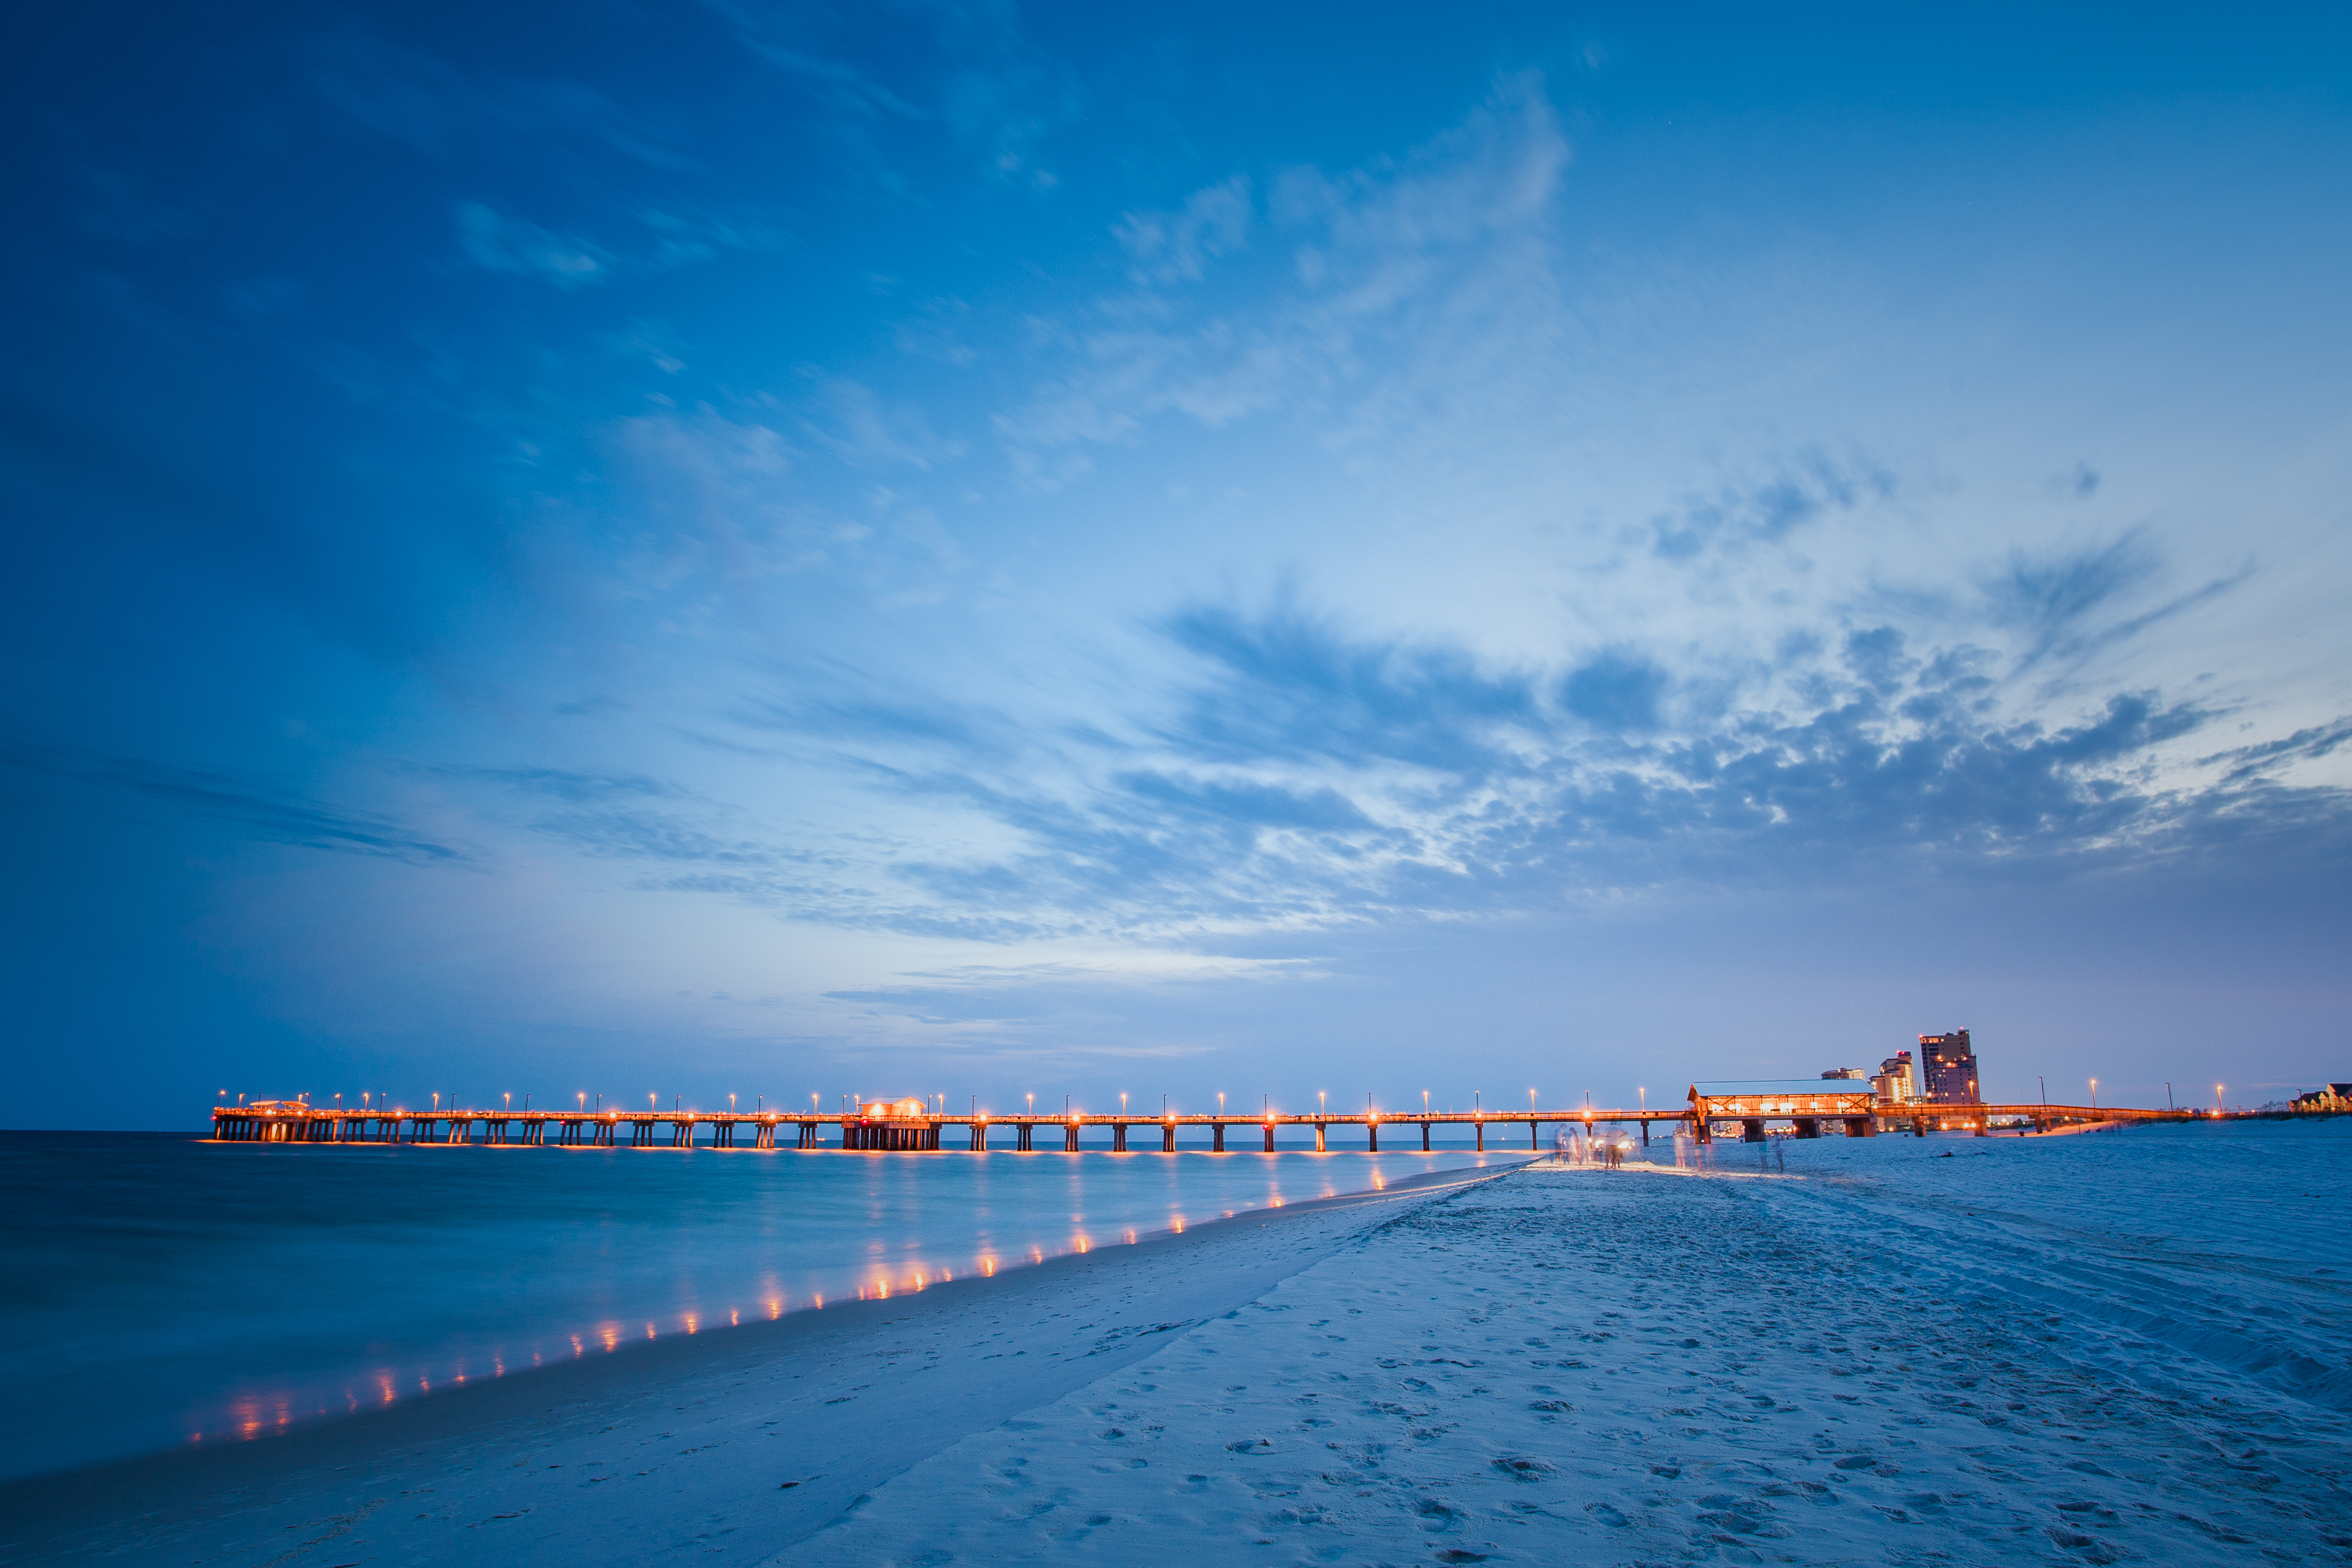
(161, 1291)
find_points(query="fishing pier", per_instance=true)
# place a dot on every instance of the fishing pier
(908, 1125)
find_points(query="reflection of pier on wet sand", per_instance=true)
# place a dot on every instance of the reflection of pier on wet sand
(755, 1436)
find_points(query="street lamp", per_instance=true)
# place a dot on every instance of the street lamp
(1320, 1098)
(2217, 1099)
(2094, 1094)
(1532, 1100)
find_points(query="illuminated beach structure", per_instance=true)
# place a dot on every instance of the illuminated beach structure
(913, 1125)
(892, 1124)
(1806, 1102)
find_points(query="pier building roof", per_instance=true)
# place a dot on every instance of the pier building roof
(1722, 1088)
(1781, 1096)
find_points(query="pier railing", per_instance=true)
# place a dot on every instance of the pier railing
(297, 1121)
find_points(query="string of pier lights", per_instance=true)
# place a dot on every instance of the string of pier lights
(368, 1101)
(1322, 1103)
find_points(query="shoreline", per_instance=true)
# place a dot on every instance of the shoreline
(1903, 1369)
(203, 1491)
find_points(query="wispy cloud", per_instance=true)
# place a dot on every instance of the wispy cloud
(503, 243)
(267, 808)
(421, 101)
(1769, 511)
(1172, 247)
(1305, 776)
(2070, 603)
(1406, 284)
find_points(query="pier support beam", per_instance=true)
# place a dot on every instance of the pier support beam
(1218, 1145)
(1269, 1137)
(1532, 1128)
(1751, 1130)
(980, 1137)
(1069, 1137)
(1168, 1138)
(1482, 1135)
(1373, 1130)
(1118, 1137)
(1023, 1141)
(1809, 1127)
(1320, 1147)
(1862, 1126)
(1424, 1137)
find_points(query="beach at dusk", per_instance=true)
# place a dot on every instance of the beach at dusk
(978, 782)
(1863, 1350)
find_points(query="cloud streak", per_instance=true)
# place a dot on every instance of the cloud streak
(264, 807)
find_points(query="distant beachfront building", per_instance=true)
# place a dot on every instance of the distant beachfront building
(1854, 1073)
(2334, 1096)
(1895, 1085)
(1949, 1067)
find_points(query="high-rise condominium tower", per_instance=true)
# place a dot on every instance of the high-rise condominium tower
(1949, 1066)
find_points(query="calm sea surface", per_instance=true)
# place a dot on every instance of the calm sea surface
(159, 1290)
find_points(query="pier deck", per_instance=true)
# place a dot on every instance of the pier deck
(295, 1121)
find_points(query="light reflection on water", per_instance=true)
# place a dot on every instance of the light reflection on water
(164, 1291)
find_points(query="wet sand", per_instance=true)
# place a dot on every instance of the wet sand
(744, 1440)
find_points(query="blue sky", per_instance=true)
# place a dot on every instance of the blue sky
(982, 551)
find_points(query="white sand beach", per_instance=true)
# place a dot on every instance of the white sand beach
(1627, 1368)
(1848, 1364)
